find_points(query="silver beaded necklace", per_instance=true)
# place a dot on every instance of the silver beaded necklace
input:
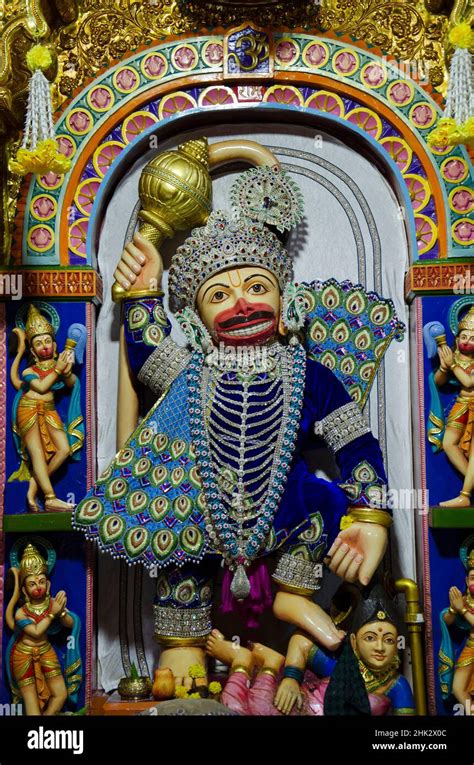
(241, 393)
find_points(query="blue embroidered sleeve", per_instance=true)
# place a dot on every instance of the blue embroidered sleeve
(146, 326)
(337, 419)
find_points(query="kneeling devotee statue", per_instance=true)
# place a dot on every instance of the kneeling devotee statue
(215, 472)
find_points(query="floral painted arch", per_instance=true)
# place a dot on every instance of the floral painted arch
(328, 78)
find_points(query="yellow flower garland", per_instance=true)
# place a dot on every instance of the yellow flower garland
(39, 57)
(45, 158)
(449, 133)
(462, 36)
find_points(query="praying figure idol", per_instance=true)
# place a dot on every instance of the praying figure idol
(33, 667)
(456, 672)
(215, 472)
(456, 371)
(43, 442)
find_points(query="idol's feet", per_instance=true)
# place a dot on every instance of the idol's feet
(309, 617)
(228, 652)
(267, 658)
(462, 500)
(179, 660)
(31, 499)
(33, 505)
(54, 505)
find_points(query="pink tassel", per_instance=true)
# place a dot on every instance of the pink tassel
(259, 599)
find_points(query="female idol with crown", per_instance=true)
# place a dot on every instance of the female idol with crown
(215, 471)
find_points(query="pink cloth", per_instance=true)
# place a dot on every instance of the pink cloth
(257, 700)
(314, 700)
(261, 696)
(236, 692)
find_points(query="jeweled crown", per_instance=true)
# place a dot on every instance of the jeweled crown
(32, 563)
(37, 324)
(224, 242)
(467, 321)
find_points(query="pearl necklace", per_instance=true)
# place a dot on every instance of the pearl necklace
(226, 513)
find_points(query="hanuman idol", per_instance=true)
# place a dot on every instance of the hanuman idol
(43, 442)
(215, 473)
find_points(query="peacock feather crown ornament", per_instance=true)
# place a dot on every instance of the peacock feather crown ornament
(467, 321)
(260, 197)
(32, 563)
(37, 324)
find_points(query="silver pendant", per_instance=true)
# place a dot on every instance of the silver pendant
(240, 587)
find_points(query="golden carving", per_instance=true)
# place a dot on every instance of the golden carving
(407, 31)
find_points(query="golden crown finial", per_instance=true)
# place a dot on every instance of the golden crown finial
(37, 324)
(32, 563)
(467, 321)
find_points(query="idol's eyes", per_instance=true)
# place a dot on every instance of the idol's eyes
(218, 296)
(257, 289)
(389, 640)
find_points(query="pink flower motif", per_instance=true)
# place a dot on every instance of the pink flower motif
(43, 207)
(41, 238)
(373, 75)
(286, 51)
(185, 57)
(315, 54)
(214, 53)
(400, 92)
(465, 231)
(65, 146)
(154, 66)
(101, 98)
(345, 62)
(422, 115)
(80, 121)
(462, 200)
(50, 179)
(126, 79)
(454, 170)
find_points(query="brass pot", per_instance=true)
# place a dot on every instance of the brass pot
(140, 688)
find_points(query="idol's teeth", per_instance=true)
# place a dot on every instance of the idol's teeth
(250, 330)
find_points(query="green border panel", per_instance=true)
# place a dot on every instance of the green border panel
(38, 522)
(451, 518)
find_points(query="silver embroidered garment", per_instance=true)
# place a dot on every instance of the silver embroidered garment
(342, 426)
(297, 571)
(182, 622)
(164, 365)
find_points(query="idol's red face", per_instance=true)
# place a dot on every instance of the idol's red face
(36, 587)
(465, 342)
(470, 581)
(43, 347)
(240, 306)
